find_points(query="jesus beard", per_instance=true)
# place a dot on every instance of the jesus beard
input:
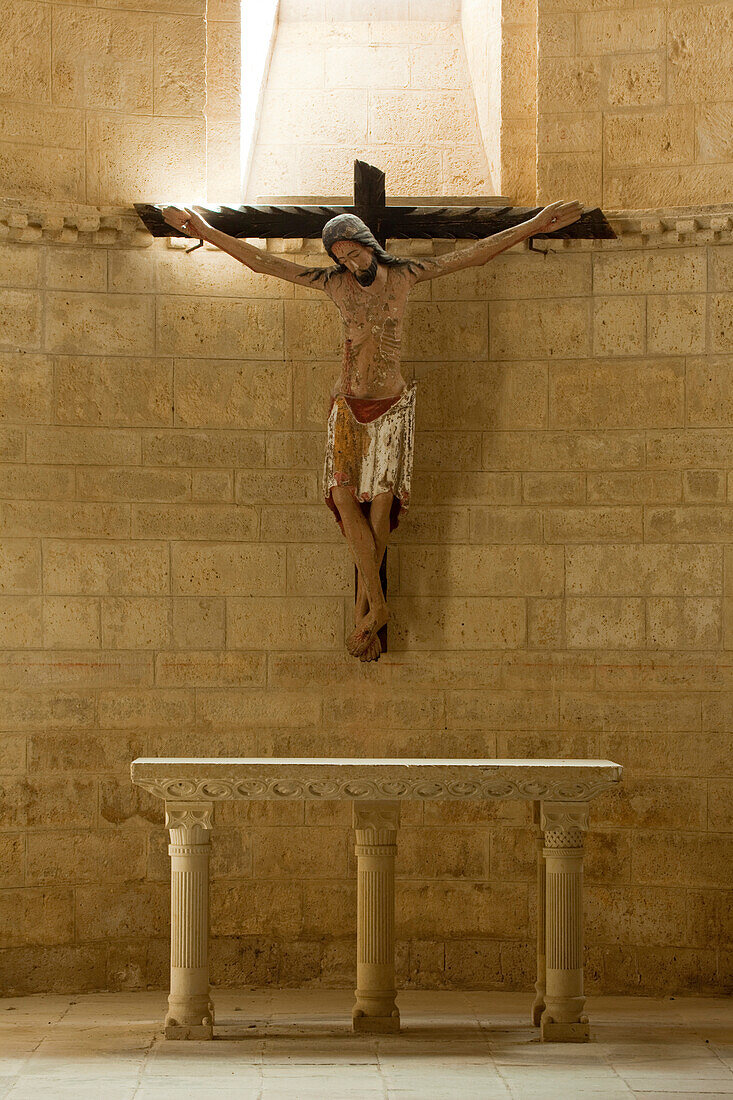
(366, 278)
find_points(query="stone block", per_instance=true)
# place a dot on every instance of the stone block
(577, 450)
(218, 393)
(608, 32)
(291, 622)
(604, 622)
(135, 622)
(698, 69)
(632, 711)
(692, 523)
(676, 323)
(442, 853)
(654, 137)
(139, 909)
(210, 669)
(27, 49)
(86, 567)
(641, 487)
(663, 570)
(33, 174)
(556, 35)
(132, 483)
(461, 909)
(465, 623)
(25, 387)
(103, 59)
(578, 132)
(128, 158)
(114, 391)
(545, 623)
(709, 382)
(568, 84)
(78, 858)
(612, 394)
(506, 710)
(20, 320)
(179, 447)
(197, 621)
(227, 569)
(480, 395)
(178, 65)
(470, 487)
(256, 909)
(500, 525)
(592, 524)
(481, 571)
(619, 326)
(203, 521)
(667, 270)
(187, 326)
(130, 271)
(430, 117)
(447, 331)
(552, 329)
(295, 852)
(636, 80)
(21, 267)
(162, 708)
(684, 623)
(97, 323)
(21, 622)
(224, 709)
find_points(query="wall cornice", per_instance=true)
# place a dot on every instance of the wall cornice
(115, 226)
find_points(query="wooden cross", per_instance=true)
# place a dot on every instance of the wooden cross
(370, 204)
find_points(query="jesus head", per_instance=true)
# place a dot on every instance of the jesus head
(353, 246)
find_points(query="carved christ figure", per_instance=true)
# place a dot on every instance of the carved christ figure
(368, 461)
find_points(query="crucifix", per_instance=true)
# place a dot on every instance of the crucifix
(368, 460)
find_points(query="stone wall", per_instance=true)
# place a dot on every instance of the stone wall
(172, 584)
(394, 91)
(635, 104)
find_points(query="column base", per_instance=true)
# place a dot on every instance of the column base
(192, 1020)
(192, 1031)
(379, 1025)
(553, 1032)
(538, 1008)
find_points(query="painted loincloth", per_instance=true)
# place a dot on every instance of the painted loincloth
(369, 449)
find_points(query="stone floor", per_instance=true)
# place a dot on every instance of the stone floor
(298, 1043)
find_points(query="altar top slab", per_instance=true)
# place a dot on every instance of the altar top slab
(257, 778)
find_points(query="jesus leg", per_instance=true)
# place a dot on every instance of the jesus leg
(362, 545)
(379, 513)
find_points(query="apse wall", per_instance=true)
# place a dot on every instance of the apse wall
(171, 582)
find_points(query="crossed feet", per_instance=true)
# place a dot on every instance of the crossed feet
(363, 642)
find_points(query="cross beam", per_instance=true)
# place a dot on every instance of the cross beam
(403, 222)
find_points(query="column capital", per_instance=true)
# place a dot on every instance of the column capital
(564, 823)
(377, 816)
(189, 815)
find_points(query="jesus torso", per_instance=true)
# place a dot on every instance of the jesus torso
(372, 318)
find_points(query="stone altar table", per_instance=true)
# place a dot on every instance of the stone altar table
(560, 791)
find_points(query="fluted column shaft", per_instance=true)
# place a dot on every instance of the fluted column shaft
(538, 1007)
(376, 845)
(564, 824)
(190, 1012)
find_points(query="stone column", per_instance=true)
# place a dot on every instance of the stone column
(538, 1006)
(563, 824)
(190, 1012)
(376, 844)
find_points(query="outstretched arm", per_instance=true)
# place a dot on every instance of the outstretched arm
(555, 216)
(247, 254)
